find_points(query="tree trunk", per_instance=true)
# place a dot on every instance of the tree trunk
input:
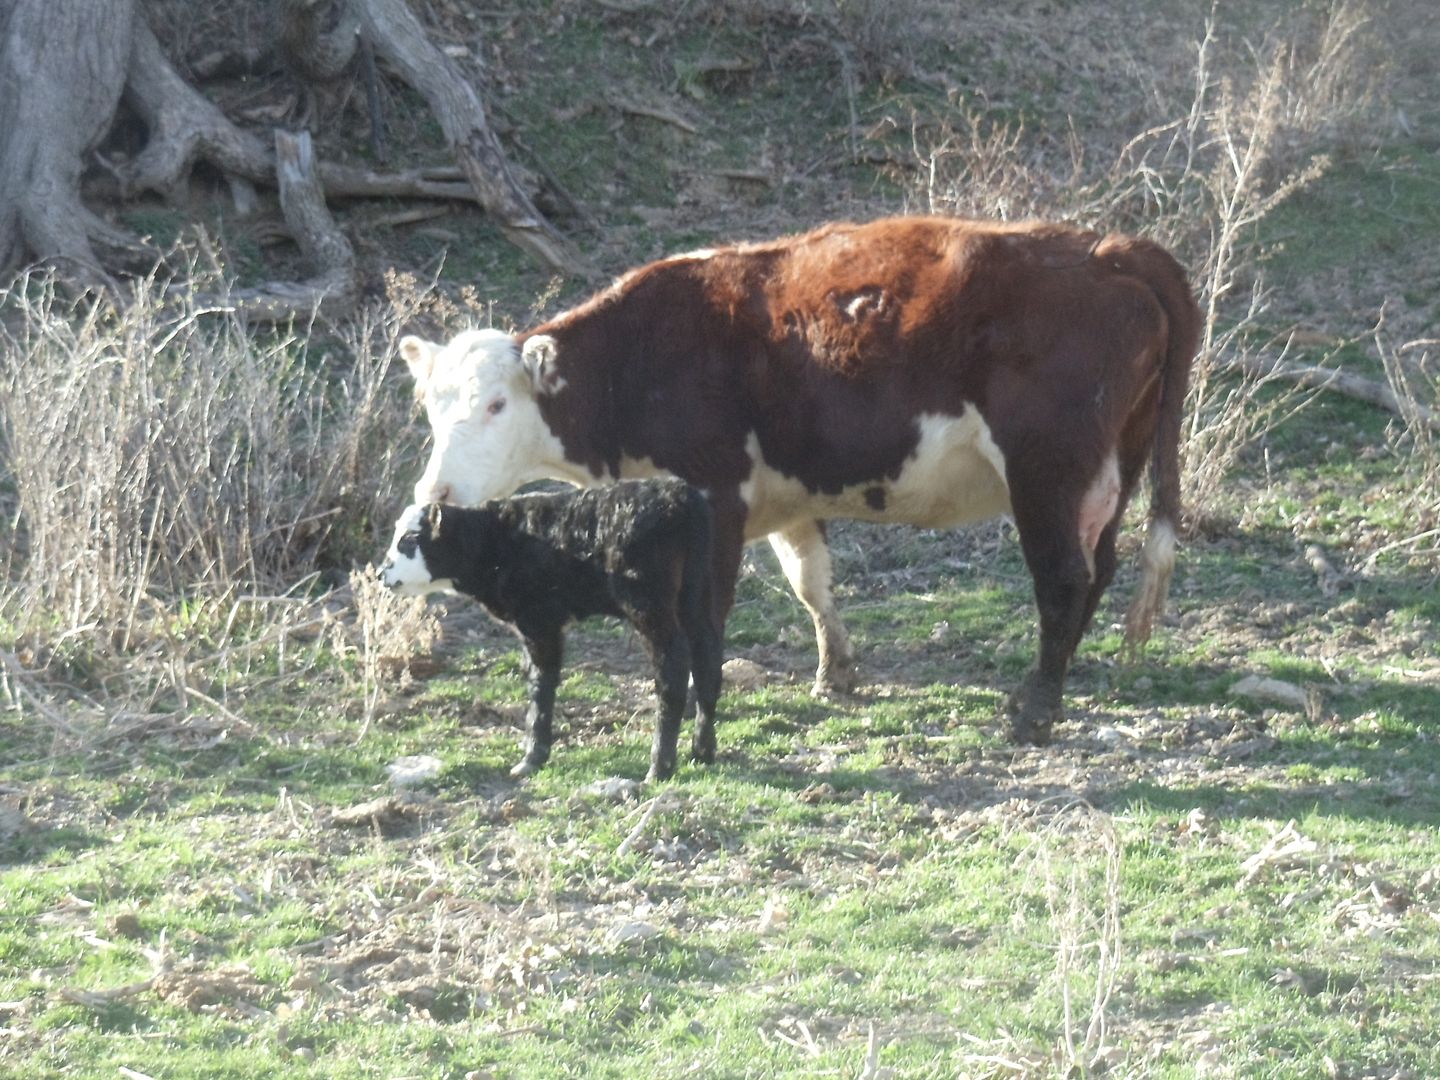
(62, 68)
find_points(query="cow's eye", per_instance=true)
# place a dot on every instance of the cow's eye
(496, 407)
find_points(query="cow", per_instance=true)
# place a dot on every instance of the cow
(639, 550)
(926, 370)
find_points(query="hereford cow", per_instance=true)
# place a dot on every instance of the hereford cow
(923, 370)
(638, 550)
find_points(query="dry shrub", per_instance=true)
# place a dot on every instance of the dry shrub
(174, 481)
(393, 632)
(1413, 373)
(1225, 151)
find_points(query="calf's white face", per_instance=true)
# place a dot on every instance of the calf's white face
(480, 395)
(405, 570)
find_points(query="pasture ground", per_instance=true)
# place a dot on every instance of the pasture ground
(1191, 882)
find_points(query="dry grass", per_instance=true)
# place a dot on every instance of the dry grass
(1069, 904)
(393, 631)
(1413, 373)
(176, 480)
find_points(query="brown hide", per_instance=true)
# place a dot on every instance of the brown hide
(830, 346)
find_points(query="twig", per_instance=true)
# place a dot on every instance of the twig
(1370, 562)
(16, 679)
(648, 812)
(655, 113)
(98, 999)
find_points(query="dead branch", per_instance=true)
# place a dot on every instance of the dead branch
(1333, 379)
(302, 201)
(653, 112)
(399, 39)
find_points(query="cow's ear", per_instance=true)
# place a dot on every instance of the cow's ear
(419, 357)
(539, 357)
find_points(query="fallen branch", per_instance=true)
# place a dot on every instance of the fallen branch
(653, 112)
(398, 37)
(1333, 379)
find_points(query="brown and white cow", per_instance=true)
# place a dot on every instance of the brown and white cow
(923, 370)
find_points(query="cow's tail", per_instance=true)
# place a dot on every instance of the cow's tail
(1157, 561)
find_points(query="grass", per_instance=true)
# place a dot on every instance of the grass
(846, 866)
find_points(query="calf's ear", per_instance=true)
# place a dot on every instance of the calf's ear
(419, 357)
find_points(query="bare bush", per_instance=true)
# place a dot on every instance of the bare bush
(1413, 374)
(392, 632)
(165, 459)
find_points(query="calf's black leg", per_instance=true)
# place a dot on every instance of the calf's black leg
(543, 650)
(670, 651)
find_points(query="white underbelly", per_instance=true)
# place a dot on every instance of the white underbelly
(956, 475)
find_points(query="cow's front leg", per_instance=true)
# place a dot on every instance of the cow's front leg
(805, 558)
(543, 651)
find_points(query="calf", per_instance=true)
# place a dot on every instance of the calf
(639, 550)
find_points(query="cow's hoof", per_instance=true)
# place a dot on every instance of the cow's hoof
(702, 750)
(659, 772)
(834, 681)
(1031, 722)
(526, 767)
(1027, 732)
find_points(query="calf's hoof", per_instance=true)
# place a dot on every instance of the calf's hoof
(659, 771)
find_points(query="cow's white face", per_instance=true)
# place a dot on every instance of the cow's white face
(405, 570)
(480, 394)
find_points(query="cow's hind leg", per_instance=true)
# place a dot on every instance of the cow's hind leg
(1062, 586)
(805, 558)
(1069, 547)
(543, 651)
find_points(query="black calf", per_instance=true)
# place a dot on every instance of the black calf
(637, 549)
